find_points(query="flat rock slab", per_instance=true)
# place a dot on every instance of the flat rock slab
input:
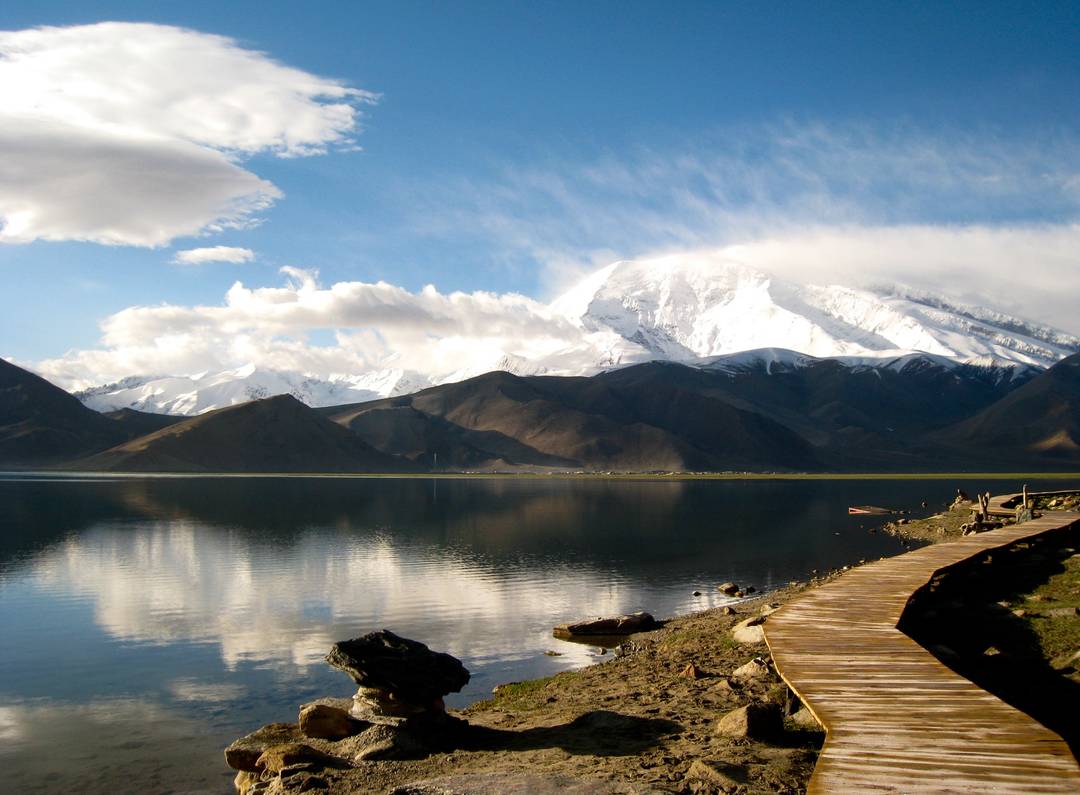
(614, 625)
(406, 668)
(516, 784)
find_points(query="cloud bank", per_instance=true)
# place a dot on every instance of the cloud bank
(374, 325)
(198, 256)
(132, 134)
(449, 336)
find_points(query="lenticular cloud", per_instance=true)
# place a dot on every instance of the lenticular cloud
(132, 134)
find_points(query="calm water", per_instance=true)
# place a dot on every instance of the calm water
(146, 623)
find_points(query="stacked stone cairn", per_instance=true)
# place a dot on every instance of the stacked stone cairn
(397, 713)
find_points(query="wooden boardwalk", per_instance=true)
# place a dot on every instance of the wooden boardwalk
(897, 719)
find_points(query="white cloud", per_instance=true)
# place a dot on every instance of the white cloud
(453, 335)
(131, 134)
(375, 325)
(198, 256)
(812, 183)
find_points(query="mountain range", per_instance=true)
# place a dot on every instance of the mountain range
(766, 410)
(680, 309)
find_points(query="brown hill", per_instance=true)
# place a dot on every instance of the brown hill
(1040, 421)
(500, 420)
(277, 434)
(41, 424)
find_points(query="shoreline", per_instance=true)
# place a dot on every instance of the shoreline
(634, 719)
(619, 476)
(645, 720)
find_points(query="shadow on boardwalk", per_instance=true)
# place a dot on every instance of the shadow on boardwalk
(960, 620)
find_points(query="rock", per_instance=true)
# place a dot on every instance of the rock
(312, 783)
(754, 722)
(405, 669)
(244, 781)
(291, 771)
(768, 609)
(691, 671)
(804, 719)
(1019, 612)
(726, 685)
(615, 625)
(328, 723)
(244, 753)
(384, 749)
(750, 589)
(727, 611)
(1062, 612)
(278, 757)
(520, 784)
(371, 704)
(721, 775)
(757, 668)
(749, 631)
(729, 588)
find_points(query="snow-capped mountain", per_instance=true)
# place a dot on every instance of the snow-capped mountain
(685, 308)
(195, 394)
(678, 308)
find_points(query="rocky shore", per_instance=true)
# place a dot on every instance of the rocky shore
(693, 706)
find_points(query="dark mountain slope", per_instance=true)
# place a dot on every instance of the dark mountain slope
(1040, 420)
(136, 423)
(576, 422)
(41, 424)
(855, 416)
(278, 434)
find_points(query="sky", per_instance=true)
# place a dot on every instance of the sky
(330, 186)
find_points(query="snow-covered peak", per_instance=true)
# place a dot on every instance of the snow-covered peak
(689, 307)
(701, 310)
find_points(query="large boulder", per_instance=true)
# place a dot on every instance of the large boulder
(278, 757)
(754, 721)
(757, 668)
(406, 669)
(749, 631)
(614, 625)
(243, 754)
(325, 722)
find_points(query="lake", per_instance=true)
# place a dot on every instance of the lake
(147, 622)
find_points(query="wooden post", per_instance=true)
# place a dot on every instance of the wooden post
(1026, 503)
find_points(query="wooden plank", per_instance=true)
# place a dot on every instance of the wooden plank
(896, 718)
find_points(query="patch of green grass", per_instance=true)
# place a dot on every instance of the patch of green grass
(523, 696)
(1058, 635)
(691, 637)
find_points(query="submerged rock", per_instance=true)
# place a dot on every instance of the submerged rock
(728, 588)
(614, 625)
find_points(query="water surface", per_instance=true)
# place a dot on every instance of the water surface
(148, 622)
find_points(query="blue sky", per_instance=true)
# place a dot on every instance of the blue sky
(512, 145)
